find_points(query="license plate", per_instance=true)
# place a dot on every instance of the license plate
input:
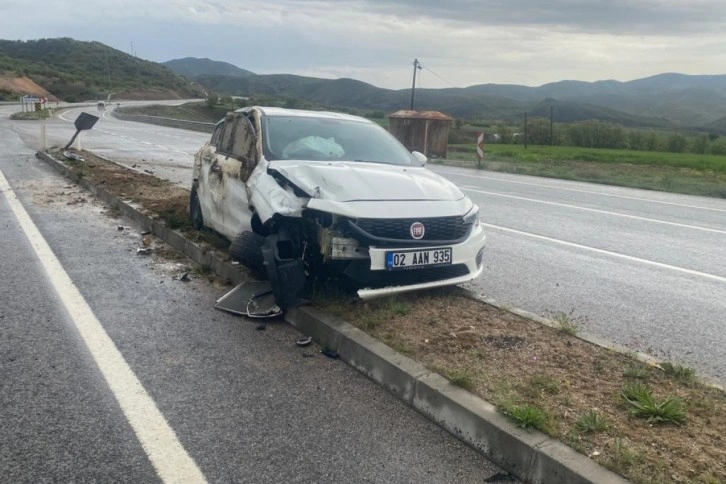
(414, 259)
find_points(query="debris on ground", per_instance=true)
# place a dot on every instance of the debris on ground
(143, 251)
(73, 156)
(185, 277)
(261, 327)
(304, 341)
(330, 353)
(253, 299)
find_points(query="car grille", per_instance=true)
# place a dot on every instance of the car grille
(439, 229)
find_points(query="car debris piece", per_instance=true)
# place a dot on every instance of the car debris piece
(185, 277)
(330, 353)
(304, 341)
(73, 156)
(261, 327)
(253, 299)
(143, 251)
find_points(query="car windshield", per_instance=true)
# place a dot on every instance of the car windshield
(329, 139)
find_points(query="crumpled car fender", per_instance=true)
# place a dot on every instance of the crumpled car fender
(268, 198)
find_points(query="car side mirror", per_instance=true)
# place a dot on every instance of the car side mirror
(420, 157)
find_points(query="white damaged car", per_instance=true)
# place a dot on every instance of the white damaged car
(300, 193)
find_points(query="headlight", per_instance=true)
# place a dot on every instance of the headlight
(472, 217)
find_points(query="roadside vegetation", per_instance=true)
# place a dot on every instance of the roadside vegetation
(31, 115)
(650, 424)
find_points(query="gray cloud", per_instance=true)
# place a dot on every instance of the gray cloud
(462, 41)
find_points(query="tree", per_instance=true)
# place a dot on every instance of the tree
(212, 99)
(677, 143)
(506, 135)
(699, 144)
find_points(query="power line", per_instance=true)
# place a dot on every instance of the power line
(445, 80)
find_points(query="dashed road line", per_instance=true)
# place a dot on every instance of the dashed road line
(589, 192)
(595, 210)
(618, 255)
(169, 458)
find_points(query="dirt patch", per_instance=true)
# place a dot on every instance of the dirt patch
(513, 362)
(24, 86)
(160, 197)
(541, 377)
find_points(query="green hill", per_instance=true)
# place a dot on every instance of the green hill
(74, 70)
(193, 67)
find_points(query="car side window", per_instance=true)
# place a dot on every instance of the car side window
(243, 141)
(217, 134)
(225, 140)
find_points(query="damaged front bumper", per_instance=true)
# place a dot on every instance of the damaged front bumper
(466, 256)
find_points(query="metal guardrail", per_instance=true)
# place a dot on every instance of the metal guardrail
(168, 122)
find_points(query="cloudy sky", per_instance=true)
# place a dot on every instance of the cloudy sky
(459, 42)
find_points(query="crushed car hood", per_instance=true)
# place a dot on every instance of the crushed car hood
(358, 181)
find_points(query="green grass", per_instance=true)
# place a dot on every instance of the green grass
(528, 416)
(681, 374)
(591, 421)
(644, 405)
(541, 382)
(686, 173)
(565, 322)
(637, 371)
(539, 154)
(30, 115)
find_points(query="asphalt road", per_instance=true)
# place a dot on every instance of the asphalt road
(102, 349)
(641, 268)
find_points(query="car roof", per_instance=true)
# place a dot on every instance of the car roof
(275, 112)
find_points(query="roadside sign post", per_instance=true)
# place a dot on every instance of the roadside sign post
(83, 122)
(480, 149)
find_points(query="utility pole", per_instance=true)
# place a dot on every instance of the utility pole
(416, 66)
(525, 130)
(552, 120)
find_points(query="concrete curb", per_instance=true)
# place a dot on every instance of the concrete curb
(530, 455)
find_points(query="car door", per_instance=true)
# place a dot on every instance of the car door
(226, 165)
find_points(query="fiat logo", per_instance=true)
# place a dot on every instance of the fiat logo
(417, 230)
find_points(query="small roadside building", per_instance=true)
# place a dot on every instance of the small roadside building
(424, 131)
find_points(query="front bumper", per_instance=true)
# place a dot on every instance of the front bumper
(466, 253)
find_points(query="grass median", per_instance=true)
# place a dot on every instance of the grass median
(686, 173)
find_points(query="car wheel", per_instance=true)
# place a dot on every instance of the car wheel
(247, 248)
(195, 210)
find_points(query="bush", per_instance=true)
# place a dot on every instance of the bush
(718, 147)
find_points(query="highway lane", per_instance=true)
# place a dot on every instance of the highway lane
(244, 405)
(641, 268)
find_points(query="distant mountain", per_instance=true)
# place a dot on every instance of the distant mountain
(193, 67)
(489, 102)
(73, 70)
(677, 98)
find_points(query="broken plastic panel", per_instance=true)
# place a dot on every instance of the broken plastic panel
(253, 299)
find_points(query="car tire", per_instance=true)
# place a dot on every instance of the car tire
(247, 248)
(195, 210)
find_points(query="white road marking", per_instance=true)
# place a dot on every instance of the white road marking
(170, 460)
(618, 255)
(589, 192)
(605, 212)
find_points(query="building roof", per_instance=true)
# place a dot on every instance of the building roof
(420, 115)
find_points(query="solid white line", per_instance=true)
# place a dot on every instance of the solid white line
(610, 253)
(605, 212)
(169, 458)
(590, 192)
